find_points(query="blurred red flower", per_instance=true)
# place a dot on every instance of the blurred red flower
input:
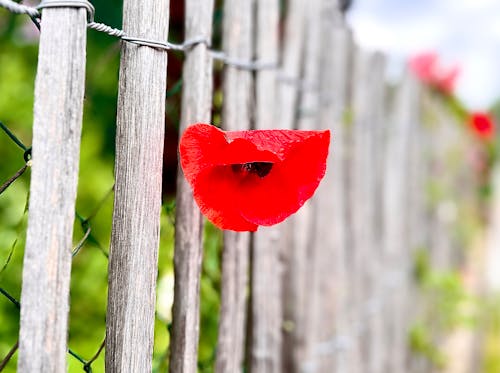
(446, 79)
(429, 70)
(482, 124)
(423, 66)
(244, 179)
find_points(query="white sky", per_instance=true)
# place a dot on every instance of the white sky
(466, 32)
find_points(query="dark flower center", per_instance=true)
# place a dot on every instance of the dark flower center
(259, 168)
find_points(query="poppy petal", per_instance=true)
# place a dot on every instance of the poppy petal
(290, 183)
(199, 147)
(243, 151)
(279, 142)
(215, 193)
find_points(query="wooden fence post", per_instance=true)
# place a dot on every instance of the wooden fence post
(289, 80)
(138, 169)
(396, 219)
(266, 313)
(236, 113)
(57, 124)
(359, 201)
(196, 107)
(347, 338)
(376, 294)
(331, 224)
(305, 250)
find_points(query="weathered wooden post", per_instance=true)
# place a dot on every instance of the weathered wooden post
(59, 90)
(332, 205)
(288, 93)
(305, 251)
(357, 140)
(237, 43)
(196, 107)
(266, 313)
(376, 87)
(396, 217)
(138, 169)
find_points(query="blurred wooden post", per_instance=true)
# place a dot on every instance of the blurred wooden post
(138, 168)
(59, 90)
(347, 343)
(398, 255)
(375, 301)
(266, 313)
(196, 108)
(236, 113)
(291, 57)
(443, 142)
(331, 225)
(418, 236)
(361, 230)
(289, 80)
(306, 269)
(492, 277)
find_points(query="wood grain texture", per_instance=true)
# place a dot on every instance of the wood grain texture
(358, 239)
(196, 108)
(291, 58)
(369, 91)
(266, 313)
(306, 250)
(288, 92)
(236, 115)
(59, 90)
(396, 244)
(234, 282)
(331, 193)
(138, 170)
(375, 162)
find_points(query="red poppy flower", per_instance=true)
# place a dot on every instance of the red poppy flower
(446, 79)
(244, 179)
(482, 124)
(429, 70)
(423, 66)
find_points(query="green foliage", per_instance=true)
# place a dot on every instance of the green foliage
(444, 289)
(348, 117)
(491, 326)
(210, 298)
(435, 192)
(446, 305)
(421, 343)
